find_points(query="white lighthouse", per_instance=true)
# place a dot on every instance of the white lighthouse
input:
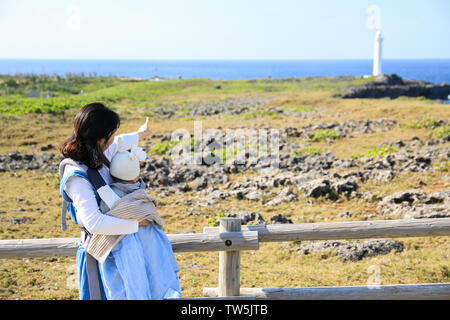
(377, 45)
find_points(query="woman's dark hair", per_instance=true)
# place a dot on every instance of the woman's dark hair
(93, 122)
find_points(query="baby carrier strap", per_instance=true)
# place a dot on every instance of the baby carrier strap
(66, 199)
(95, 178)
(91, 264)
(96, 181)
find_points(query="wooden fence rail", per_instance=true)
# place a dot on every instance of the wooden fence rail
(225, 241)
(230, 237)
(435, 291)
(348, 229)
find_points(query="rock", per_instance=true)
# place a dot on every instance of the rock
(409, 197)
(216, 195)
(199, 184)
(414, 204)
(318, 188)
(393, 86)
(369, 248)
(47, 162)
(369, 196)
(279, 218)
(192, 265)
(415, 142)
(247, 217)
(222, 107)
(369, 216)
(253, 195)
(379, 175)
(330, 189)
(353, 251)
(286, 195)
(344, 187)
(421, 184)
(388, 79)
(239, 194)
(345, 214)
(397, 144)
(20, 220)
(47, 147)
(184, 187)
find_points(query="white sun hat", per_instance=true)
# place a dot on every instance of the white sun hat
(125, 164)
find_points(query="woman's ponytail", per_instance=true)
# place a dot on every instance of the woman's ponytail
(72, 148)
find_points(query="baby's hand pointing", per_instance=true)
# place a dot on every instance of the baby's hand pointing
(143, 130)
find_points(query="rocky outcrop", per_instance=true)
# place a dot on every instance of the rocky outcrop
(352, 250)
(415, 204)
(223, 107)
(280, 219)
(46, 162)
(286, 195)
(247, 217)
(393, 86)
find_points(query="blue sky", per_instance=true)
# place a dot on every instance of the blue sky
(226, 29)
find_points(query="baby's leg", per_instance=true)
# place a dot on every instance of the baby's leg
(130, 262)
(160, 263)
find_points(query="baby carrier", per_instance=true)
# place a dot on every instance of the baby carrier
(89, 281)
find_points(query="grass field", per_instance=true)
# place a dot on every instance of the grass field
(30, 123)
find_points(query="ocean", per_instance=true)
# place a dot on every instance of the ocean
(433, 70)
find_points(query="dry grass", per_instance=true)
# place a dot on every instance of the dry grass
(424, 260)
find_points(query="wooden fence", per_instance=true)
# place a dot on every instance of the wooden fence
(230, 238)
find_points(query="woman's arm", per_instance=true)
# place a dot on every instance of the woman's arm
(88, 213)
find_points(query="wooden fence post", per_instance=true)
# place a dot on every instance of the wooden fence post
(229, 261)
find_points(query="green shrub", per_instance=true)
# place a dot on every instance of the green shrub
(183, 111)
(443, 165)
(215, 221)
(440, 132)
(161, 148)
(320, 135)
(225, 154)
(382, 151)
(310, 151)
(297, 109)
(261, 114)
(426, 122)
(377, 152)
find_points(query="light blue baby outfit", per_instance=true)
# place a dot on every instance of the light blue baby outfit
(142, 265)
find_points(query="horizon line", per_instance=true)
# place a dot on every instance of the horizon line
(218, 59)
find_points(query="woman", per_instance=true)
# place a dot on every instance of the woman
(92, 145)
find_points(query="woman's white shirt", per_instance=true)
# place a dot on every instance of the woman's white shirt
(83, 197)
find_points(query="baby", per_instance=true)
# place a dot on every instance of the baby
(139, 265)
(124, 169)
